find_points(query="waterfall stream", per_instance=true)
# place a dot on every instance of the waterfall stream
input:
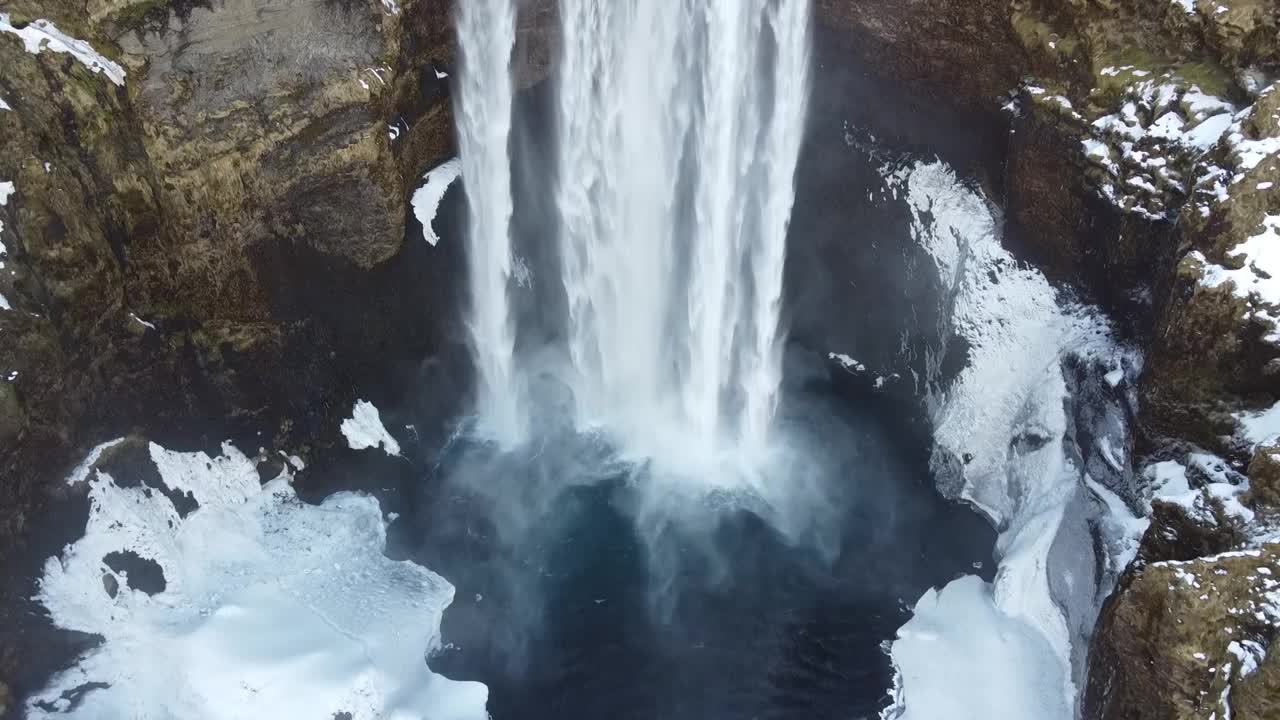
(486, 37)
(677, 132)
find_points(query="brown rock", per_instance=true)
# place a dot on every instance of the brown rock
(262, 120)
(1071, 233)
(1264, 477)
(1170, 643)
(1177, 534)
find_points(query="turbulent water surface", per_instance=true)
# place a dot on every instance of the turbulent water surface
(582, 595)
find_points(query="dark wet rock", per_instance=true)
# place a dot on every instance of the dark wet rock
(1058, 220)
(141, 573)
(1205, 354)
(149, 225)
(961, 51)
(1178, 534)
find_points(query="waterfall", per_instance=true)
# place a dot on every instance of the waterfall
(677, 131)
(486, 38)
(679, 127)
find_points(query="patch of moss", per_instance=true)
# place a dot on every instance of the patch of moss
(1133, 64)
(1212, 78)
(1121, 69)
(151, 15)
(1132, 58)
(67, 15)
(139, 14)
(1036, 34)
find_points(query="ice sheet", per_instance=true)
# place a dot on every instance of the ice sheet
(271, 608)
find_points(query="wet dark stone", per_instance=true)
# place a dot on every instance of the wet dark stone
(143, 574)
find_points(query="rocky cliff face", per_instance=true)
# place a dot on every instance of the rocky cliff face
(1141, 168)
(186, 186)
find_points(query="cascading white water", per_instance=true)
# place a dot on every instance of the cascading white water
(679, 131)
(486, 38)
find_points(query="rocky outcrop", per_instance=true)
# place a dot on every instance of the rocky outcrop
(1142, 169)
(1189, 630)
(204, 232)
(149, 215)
(1264, 476)
(1189, 640)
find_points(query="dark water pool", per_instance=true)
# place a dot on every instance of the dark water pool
(573, 603)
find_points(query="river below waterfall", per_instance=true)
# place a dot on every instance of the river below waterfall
(571, 603)
(578, 595)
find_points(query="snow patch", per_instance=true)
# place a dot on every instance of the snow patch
(364, 430)
(1160, 127)
(294, 461)
(7, 190)
(1168, 482)
(846, 362)
(43, 35)
(1259, 427)
(81, 471)
(1123, 523)
(1249, 653)
(271, 607)
(962, 658)
(142, 322)
(426, 199)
